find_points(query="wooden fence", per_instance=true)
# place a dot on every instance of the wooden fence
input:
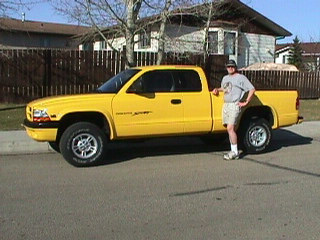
(33, 73)
(307, 83)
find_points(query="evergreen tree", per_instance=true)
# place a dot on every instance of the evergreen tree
(295, 57)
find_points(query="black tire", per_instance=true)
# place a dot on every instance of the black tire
(255, 137)
(83, 144)
(54, 146)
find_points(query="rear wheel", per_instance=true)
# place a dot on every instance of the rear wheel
(83, 144)
(255, 136)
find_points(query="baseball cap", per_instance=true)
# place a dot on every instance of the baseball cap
(231, 63)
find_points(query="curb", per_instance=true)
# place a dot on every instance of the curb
(18, 142)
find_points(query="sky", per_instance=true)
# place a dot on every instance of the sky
(300, 17)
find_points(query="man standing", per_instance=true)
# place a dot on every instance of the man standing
(234, 85)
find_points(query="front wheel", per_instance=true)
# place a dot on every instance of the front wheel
(54, 146)
(256, 136)
(83, 144)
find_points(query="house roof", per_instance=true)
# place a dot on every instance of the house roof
(11, 24)
(232, 9)
(261, 19)
(232, 12)
(308, 48)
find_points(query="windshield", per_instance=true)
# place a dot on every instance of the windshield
(114, 84)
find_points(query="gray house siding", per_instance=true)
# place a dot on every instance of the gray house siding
(184, 39)
(255, 48)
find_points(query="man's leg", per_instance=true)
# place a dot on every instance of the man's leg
(232, 134)
(233, 138)
(230, 114)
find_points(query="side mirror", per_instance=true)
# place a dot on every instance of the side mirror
(136, 87)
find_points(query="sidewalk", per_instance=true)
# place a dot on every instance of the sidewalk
(18, 142)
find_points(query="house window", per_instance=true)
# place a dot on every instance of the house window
(284, 59)
(145, 39)
(103, 45)
(88, 46)
(213, 42)
(229, 43)
(46, 42)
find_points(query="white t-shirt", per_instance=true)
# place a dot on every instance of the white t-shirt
(235, 86)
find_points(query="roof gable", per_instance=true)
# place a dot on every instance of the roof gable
(10, 24)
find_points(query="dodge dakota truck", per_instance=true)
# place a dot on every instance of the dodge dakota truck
(152, 101)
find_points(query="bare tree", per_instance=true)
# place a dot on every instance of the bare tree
(121, 18)
(164, 15)
(113, 19)
(7, 7)
(312, 60)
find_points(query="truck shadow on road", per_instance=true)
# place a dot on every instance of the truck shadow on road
(285, 138)
(130, 150)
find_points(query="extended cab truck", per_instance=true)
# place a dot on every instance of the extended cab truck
(151, 101)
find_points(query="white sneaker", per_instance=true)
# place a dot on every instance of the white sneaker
(231, 156)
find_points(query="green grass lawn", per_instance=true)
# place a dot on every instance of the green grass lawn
(12, 115)
(310, 110)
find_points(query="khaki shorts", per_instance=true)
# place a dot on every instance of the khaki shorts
(230, 113)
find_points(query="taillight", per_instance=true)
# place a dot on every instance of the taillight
(297, 103)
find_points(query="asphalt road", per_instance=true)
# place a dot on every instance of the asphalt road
(172, 189)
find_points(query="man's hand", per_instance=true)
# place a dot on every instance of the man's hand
(215, 91)
(243, 104)
(250, 95)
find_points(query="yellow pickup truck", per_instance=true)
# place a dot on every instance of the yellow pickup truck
(151, 101)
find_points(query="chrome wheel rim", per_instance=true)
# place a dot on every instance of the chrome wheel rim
(84, 146)
(257, 136)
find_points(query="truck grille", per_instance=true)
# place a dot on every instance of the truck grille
(29, 113)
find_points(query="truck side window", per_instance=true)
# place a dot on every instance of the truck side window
(187, 81)
(154, 81)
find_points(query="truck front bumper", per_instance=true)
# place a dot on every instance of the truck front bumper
(42, 132)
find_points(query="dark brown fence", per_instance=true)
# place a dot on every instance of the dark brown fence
(307, 83)
(33, 73)
(29, 74)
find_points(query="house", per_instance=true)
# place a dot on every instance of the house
(310, 54)
(16, 33)
(235, 30)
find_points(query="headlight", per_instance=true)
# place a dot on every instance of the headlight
(40, 115)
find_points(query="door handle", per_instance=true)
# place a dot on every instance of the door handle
(176, 101)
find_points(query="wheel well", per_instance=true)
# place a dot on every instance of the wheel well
(257, 112)
(92, 117)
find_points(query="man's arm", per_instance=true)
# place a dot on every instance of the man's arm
(250, 96)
